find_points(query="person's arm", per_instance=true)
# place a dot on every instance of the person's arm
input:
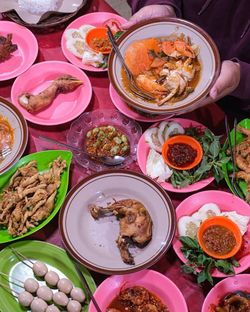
(243, 89)
(136, 5)
(149, 9)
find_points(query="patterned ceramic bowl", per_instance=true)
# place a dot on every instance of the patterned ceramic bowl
(207, 55)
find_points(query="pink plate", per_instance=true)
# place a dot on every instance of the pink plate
(142, 154)
(132, 113)
(155, 282)
(24, 56)
(224, 287)
(65, 107)
(226, 202)
(95, 19)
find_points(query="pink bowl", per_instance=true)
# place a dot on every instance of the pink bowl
(155, 282)
(226, 202)
(224, 287)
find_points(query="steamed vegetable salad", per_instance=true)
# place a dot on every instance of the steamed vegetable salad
(211, 162)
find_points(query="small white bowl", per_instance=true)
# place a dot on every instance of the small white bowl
(208, 57)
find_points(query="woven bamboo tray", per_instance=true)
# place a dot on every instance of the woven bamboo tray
(52, 20)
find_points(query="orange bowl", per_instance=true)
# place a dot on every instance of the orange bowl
(226, 223)
(98, 33)
(187, 140)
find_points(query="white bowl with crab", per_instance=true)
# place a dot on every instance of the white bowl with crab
(191, 47)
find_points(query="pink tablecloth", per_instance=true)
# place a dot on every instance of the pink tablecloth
(212, 117)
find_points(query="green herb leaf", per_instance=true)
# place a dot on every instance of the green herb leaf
(118, 34)
(235, 263)
(189, 242)
(214, 148)
(188, 269)
(201, 259)
(202, 277)
(201, 264)
(224, 266)
(224, 160)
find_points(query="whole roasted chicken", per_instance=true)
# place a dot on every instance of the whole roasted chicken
(63, 84)
(135, 224)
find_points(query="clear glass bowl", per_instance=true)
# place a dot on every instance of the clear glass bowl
(87, 121)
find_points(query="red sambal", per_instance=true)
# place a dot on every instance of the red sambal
(136, 299)
(219, 239)
(181, 154)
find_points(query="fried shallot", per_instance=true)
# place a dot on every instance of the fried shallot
(63, 84)
(135, 224)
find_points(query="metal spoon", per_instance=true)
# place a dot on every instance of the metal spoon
(107, 160)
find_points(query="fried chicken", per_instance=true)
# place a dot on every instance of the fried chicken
(30, 196)
(6, 47)
(63, 84)
(243, 159)
(135, 224)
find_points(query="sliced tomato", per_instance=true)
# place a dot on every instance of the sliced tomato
(114, 25)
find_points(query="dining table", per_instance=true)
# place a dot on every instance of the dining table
(49, 41)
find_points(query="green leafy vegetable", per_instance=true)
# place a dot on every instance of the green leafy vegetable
(212, 162)
(104, 64)
(200, 264)
(118, 34)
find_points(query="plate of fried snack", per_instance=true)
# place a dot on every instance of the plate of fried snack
(146, 290)
(18, 49)
(38, 276)
(32, 192)
(242, 159)
(117, 221)
(51, 93)
(13, 135)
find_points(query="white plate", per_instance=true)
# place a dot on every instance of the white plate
(93, 242)
(20, 127)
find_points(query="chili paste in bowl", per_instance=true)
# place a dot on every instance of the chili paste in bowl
(106, 141)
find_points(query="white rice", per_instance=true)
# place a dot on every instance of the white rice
(38, 6)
